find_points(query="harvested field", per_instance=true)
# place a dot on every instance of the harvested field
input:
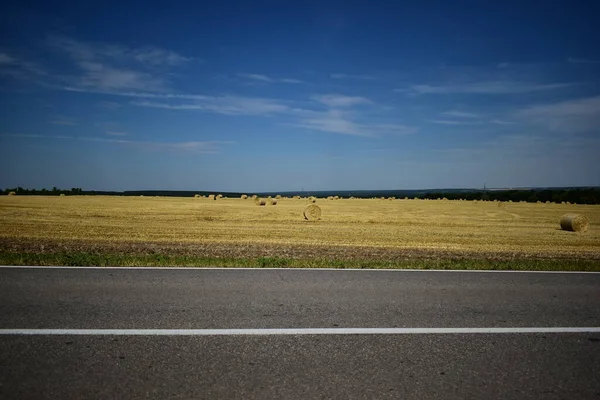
(372, 228)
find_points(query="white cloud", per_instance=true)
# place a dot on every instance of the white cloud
(257, 77)
(490, 87)
(340, 101)
(343, 122)
(395, 128)
(501, 122)
(572, 116)
(111, 105)
(148, 55)
(63, 121)
(5, 59)
(103, 77)
(228, 105)
(334, 121)
(460, 114)
(357, 77)
(197, 147)
(290, 80)
(18, 68)
(574, 60)
(453, 122)
(268, 79)
(117, 68)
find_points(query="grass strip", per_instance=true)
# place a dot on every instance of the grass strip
(161, 260)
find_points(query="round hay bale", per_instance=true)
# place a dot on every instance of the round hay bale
(260, 202)
(278, 197)
(312, 199)
(196, 196)
(219, 196)
(63, 195)
(211, 197)
(273, 202)
(244, 196)
(312, 212)
(574, 223)
(12, 194)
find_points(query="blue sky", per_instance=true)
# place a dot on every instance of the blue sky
(285, 95)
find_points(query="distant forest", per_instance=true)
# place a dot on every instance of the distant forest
(580, 195)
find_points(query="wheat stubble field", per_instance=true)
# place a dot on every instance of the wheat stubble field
(351, 232)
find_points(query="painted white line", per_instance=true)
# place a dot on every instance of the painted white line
(293, 331)
(297, 269)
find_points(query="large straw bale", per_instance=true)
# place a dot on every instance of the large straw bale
(574, 223)
(312, 212)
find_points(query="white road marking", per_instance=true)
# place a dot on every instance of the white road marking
(300, 269)
(294, 331)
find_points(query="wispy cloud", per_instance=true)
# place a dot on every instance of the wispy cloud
(291, 80)
(147, 56)
(491, 87)
(344, 122)
(115, 68)
(341, 101)
(197, 147)
(356, 77)
(268, 79)
(572, 116)
(257, 77)
(228, 105)
(461, 114)
(18, 68)
(501, 122)
(394, 129)
(5, 59)
(334, 121)
(574, 60)
(63, 121)
(453, 122)
(104, 77)
(111, 105)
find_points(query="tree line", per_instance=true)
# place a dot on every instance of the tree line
(557, 195)
(572, 195)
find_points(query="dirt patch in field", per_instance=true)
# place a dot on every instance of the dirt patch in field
(239, 250)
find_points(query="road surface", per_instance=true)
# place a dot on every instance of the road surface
(71, 355)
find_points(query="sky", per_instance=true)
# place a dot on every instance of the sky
(291, 95)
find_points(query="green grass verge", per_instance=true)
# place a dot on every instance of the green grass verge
(156, 260)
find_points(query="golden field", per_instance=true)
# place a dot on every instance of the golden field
(427, 225)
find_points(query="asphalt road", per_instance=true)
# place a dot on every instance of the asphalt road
(448, 366)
